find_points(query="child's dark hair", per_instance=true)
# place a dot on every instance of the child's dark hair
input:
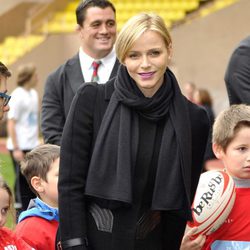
(38, 162)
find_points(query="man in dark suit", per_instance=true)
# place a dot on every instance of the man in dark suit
(237, 75)
(97, 31)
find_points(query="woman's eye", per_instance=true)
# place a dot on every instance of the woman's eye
(155, 53)
(133, 56)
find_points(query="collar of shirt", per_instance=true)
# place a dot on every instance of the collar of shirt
(38, 208)
(104, 70)
(241, 183)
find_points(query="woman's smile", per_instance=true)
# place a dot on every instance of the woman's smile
(146, 75)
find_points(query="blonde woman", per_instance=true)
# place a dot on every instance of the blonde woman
(131, 151)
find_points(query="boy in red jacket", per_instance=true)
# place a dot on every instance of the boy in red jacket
(38, 224)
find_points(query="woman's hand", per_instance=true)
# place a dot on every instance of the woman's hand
(190, 243)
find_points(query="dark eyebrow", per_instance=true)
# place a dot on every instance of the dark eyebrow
(111, 20)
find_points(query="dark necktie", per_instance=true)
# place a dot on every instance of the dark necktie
(95, 66)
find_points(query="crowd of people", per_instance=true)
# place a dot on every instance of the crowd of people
(123, 148)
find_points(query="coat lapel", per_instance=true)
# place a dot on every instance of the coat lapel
(74, 73)
(75, 76)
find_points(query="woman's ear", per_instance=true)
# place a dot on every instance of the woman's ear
(36, 183)
(218, 151)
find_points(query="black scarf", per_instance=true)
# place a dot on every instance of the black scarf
(110, 174)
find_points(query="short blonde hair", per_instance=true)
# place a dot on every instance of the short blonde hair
(135, 27)
(229, 122)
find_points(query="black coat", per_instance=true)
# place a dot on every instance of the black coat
(60, 88)
(81, 128)
(237, 76)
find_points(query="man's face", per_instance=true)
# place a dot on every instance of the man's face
(98, 32)
(3, 89)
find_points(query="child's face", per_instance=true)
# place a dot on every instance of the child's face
(236, 158)
(4, 206)
(50, 194)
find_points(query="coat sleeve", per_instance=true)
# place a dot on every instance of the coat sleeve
(74, 161)
(53, 117)
(237, 76)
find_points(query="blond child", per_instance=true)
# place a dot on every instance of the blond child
(8, 239)
(38, 224)
(231, 144)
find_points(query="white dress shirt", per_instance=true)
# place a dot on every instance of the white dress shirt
(104, 70)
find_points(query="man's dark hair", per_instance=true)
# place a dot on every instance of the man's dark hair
(84, 5)
(4, 70)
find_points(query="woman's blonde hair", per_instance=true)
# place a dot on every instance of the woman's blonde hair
(135, 27)
(229, 122)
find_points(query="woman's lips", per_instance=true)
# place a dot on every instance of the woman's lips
(147, 75)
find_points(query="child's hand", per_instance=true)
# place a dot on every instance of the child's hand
(188, 243)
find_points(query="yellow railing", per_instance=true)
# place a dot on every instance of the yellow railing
(14, 47)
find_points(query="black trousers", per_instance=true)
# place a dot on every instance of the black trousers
(23, 193)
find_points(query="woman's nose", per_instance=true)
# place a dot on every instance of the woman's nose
(145, 62)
